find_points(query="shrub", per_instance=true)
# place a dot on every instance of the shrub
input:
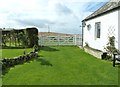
(110, 48)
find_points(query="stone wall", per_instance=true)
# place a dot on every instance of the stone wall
(10, 62)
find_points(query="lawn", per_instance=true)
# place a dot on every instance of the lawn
(63, 65)
(10, 53)
(0, 53)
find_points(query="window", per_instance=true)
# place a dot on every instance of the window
(97, 29)
(88, 27)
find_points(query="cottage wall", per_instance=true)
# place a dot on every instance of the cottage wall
(119, 30)
(109, 27)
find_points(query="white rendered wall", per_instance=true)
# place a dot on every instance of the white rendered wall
(119, 29)
(108, 22)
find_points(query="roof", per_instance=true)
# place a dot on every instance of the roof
(107, 7)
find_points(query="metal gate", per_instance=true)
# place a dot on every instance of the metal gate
(60, 40)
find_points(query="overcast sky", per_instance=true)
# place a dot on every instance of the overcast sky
(63, 16)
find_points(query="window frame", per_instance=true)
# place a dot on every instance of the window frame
(97, 30)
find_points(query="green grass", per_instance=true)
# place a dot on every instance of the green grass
(0, 53)
(63, 66)
(10, 53)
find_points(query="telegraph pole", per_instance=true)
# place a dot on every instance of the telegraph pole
(48, 28)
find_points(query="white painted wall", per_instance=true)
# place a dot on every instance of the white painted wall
(119, 29)
(108, 21)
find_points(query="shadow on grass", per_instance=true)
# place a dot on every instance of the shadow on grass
(41, 60)
(11, 47)
(44, 61)
(117, 65)
(47, 48)
(40, 55)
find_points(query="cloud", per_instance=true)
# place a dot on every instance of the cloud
(92, 6)
(61, 15)
(79, 1)
(41, 23)
(63, 9)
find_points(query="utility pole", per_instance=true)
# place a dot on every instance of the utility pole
(48, 28)
(83, 25)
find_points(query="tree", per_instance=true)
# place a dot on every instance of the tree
(19, 38)
(23, 38)
(32, 34)
(4, 40)
(9, 36)
(14, 37)
(28, 37)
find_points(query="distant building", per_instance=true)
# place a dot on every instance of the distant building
(100, 25)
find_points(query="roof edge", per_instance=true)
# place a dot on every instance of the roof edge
(102, 13)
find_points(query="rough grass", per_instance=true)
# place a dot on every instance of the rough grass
(10, 53)
(63, 66)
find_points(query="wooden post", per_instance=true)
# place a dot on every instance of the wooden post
(75, 40)
(58, 40)
(114, 60)
(41, 38)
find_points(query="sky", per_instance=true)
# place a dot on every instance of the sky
(63, 16)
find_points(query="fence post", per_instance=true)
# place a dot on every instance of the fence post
(75, 39)
(58, 40)
(114, 60)
(41, 41)
(80, 40)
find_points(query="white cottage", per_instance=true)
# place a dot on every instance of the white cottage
(97, 27)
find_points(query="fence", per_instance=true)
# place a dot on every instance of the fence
(60, 40)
